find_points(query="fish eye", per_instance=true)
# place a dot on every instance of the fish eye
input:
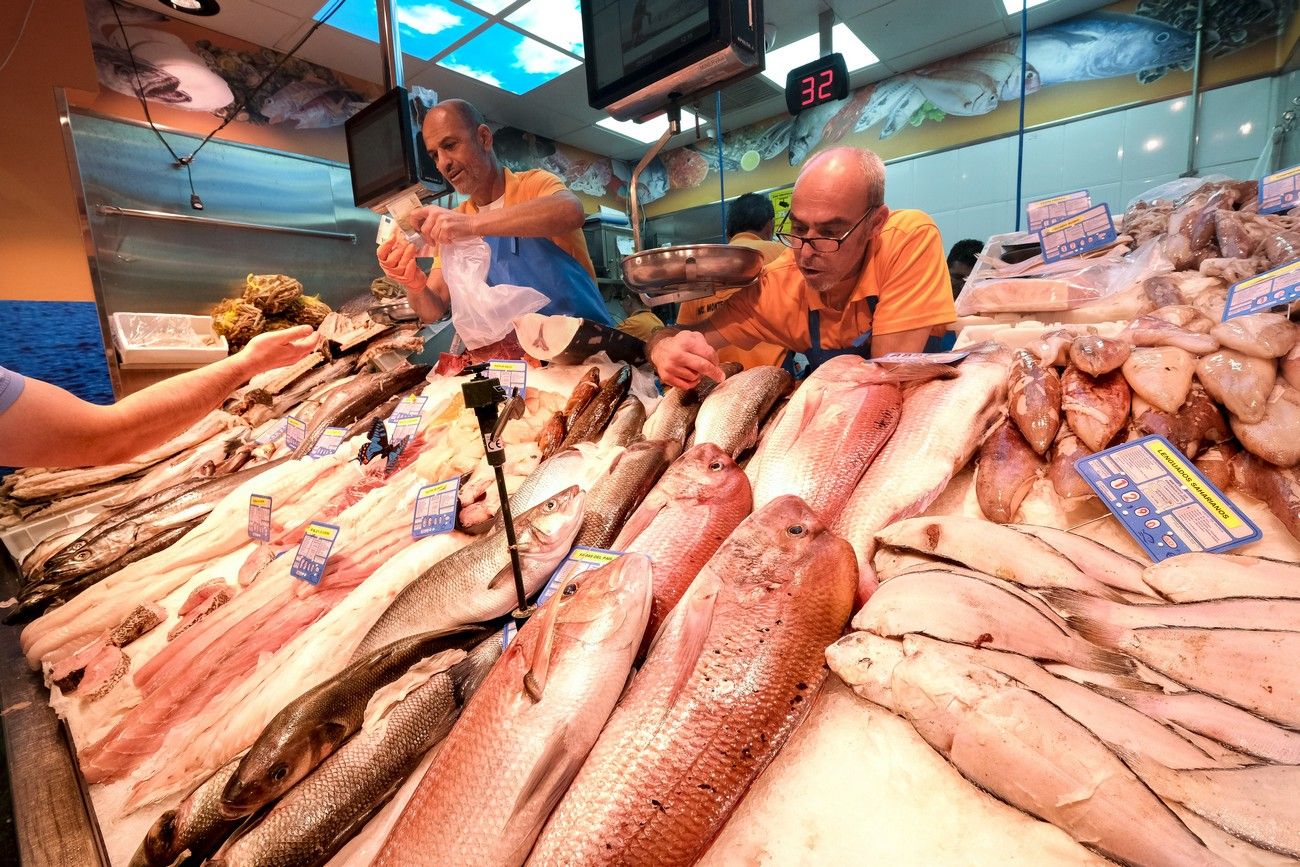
(1162, 37)
(570, 589)
(550, 506)
(795, 530)
(280, 772)
(716, 465)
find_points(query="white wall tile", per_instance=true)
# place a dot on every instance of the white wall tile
(1235, 123)
(1130, 190)
(1092, 150)
(1112, 195)
(1155, 139)
(900, 189)
(935, 180)
(983, 220)
(947, 221)
(1044, 172)
(1243, 169)
(988, 172)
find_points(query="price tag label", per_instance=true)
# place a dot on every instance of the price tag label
(1077, 235)
(1279, 191)
(276, 431)
(513, 375)
(314, 552)
(410, 406)
(329, 442)
(294, 432)
(1044, 212)
(1164, 502)
(435, 508)
(1278, 286)
(259, 517)
(579, 560)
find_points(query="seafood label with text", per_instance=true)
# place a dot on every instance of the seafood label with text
(1279, 191)
(579, 560)
(329, 442)
(1077, 235)
(314, 552)
(276, 431)
(408, 407)
(435, 508)
(1278, 286)
(1164, 502)
(259, 517)
(1044, 212)
(513, 375)
(294, 431)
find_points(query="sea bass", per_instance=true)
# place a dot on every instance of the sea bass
(616, 495)
(828, 434)
(195, 828)
(521, 740)
(733, 412)
(701, 498)
(475, 583)
(675, 415)
(942, 424)
(733, 671)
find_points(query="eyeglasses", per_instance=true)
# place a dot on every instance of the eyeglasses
(822, 245)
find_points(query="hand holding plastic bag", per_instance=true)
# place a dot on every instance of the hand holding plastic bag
(481, 313)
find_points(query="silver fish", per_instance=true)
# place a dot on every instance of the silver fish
(1104, 45)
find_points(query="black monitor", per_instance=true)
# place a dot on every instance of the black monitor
(386, 153)
(640, 54)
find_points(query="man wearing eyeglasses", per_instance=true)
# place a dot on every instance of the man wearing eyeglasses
(858, 279)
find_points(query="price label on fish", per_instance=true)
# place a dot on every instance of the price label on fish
(1164, 502)
(329, 442)
(1259, 293)
(1077, 235)
(276, 431)
(1044, 212)
(435, 508)
(513, 375)
(408, 407)
(259, 517)
(579, 560)
(1279, 191)
(314, 552)
(294, 433)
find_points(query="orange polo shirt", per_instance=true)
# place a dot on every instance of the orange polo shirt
(904, 268)
(536, 184)
(699, 308)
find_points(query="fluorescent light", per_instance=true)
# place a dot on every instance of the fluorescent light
(1246, 128)
(781, 60)
(1152, 144)
(1013, 6)
(644, 132)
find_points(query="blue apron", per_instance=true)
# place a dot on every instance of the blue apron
(817, 356)
(540, 264)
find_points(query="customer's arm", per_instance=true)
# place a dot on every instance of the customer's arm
(47, 426)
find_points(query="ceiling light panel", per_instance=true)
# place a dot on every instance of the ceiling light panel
(1014, 6)
(505, 58)
(559, 22)
(425, 27)
(644, 132)
(781, 60)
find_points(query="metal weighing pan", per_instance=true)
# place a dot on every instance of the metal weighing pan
(671, 274)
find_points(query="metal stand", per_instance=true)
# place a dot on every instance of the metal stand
(485, 396)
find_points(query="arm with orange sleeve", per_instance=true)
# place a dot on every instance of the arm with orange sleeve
(916, 294)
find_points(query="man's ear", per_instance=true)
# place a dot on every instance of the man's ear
(878, 219)
(484, 133)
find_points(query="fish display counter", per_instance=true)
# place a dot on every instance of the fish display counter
(880, 613)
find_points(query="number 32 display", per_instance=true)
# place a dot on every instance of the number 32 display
(824, 80)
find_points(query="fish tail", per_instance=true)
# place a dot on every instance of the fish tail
(1108, 661)
(1074, 603)
(1096, 631)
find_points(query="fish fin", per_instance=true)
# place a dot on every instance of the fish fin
(549, 780)
(539, 664)
(696, 620)
(1072, 603)
(506, 574)
(1096, 631)
(639, 520)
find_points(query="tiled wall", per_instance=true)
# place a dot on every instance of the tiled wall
(970, 191)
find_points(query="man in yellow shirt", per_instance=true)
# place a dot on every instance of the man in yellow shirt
(750, 220)
(530, 220)
(859, 279)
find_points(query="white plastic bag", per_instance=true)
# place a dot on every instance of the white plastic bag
(481, 313)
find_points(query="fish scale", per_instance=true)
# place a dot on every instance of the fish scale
(733, 672)
(730, 416)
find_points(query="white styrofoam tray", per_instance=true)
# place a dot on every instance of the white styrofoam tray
(195, 342)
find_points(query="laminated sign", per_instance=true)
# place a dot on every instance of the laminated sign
(579, 560)
(314, 552)
(294, 433)
(1077, 235)
(1164, 502)
(408, 407)
(435, 508)
(1044, 212)
(329, 442)
(1279, 191)
(1278, 286)
(513, 375)
(259, 517)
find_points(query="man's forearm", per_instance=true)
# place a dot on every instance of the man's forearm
(426, 303)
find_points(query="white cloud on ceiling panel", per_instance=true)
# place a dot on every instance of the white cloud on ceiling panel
(534, 57)
(470, 72)
(426, 18)
(559, 22)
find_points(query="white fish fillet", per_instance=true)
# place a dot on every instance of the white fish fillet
(1198, 576)
(1094, 559)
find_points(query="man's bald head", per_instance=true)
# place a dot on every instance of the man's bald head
(854, 176)
(462, 113)
(461, 145)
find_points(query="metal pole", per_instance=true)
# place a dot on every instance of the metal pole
(1196, 91)
(1020, 136)
(722, 169)
(825, 21)
(390, 44)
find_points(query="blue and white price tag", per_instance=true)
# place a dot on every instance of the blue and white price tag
(1077, 235)
(1278, 286)
(1279, 191)
(408, 407)
(329, 442)
(579, 560)
(259, 517)
(314, 552)
(294, 432)
(1044, 212)
(513, 375)
(435, 508)
(276, 431)
(1164, 502)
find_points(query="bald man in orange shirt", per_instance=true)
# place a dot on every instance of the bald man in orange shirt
(858, 279)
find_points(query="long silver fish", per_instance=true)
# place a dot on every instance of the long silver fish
(732, 413)
(350, 402)
(193, 830)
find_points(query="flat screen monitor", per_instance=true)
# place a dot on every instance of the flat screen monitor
(386, 153)
(640, 54)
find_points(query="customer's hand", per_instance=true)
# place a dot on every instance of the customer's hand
(277, 348)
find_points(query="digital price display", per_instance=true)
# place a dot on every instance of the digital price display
(826, 79)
